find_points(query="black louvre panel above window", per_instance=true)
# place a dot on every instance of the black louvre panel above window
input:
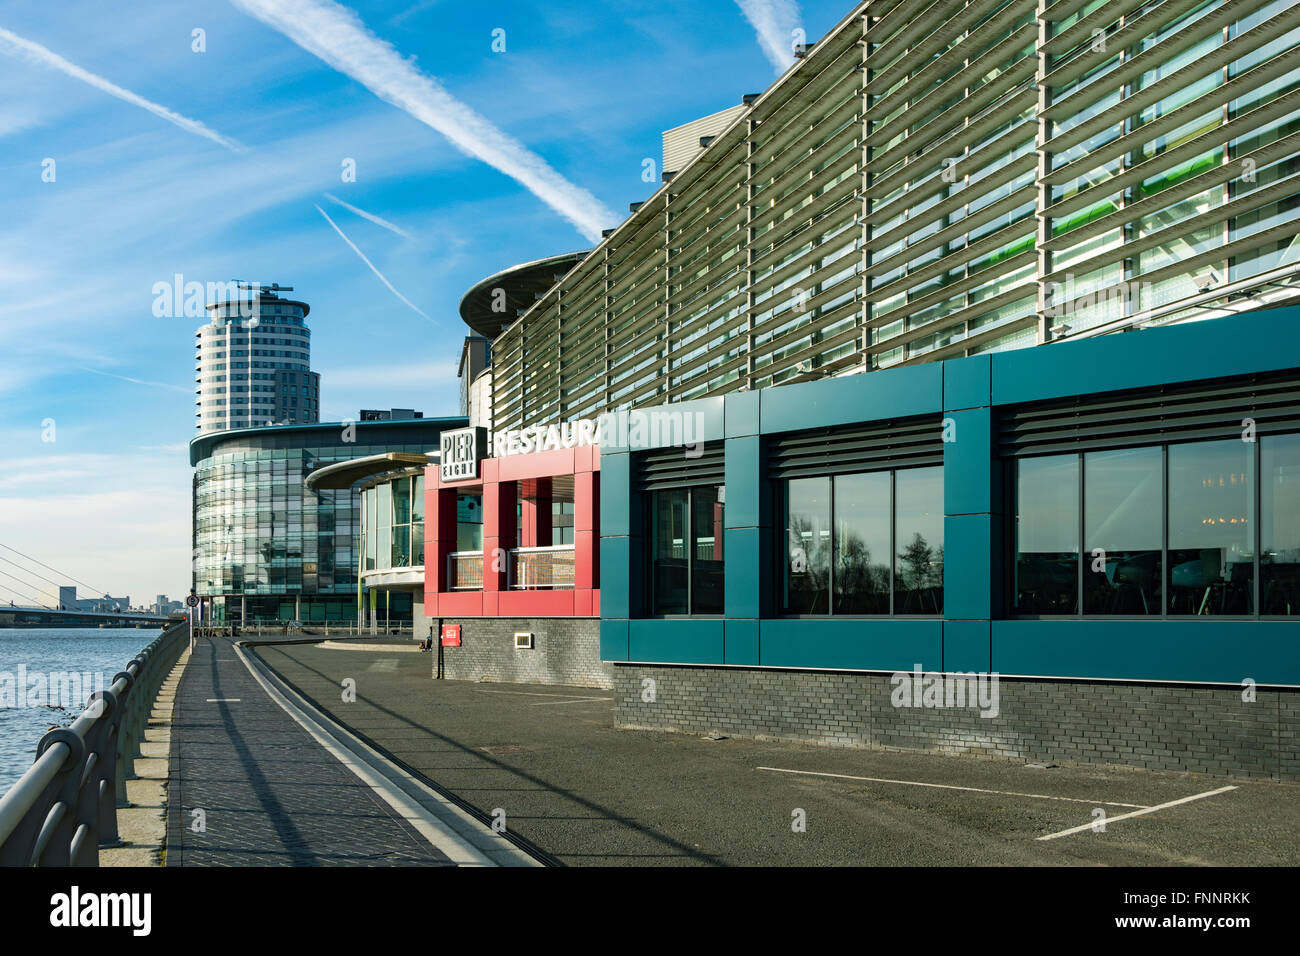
(1184, 412)
(898, 443)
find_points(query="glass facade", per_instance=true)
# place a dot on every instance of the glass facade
(269, 547)
(863, 544)
(1188, 529)
(927, 188)
(392, 526)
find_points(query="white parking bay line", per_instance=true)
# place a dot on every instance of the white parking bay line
(222, 700)
(575, 700)
(524, 693)
(1138, 813)
(948, 786)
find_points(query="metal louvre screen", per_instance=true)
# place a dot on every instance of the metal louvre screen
(671, 468)
(1211, 409)
(833, 451)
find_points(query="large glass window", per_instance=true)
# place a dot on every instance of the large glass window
(1123, 502)
(808, 546)
(1279, 553)
(918, 533)
(1047, 535)
(863, 544)
(1211, 527)
(686, 531)
(861, 570)
(1191, 529)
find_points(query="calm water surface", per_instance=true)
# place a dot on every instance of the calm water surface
(77, 650)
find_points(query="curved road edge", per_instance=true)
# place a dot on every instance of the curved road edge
(454, 832)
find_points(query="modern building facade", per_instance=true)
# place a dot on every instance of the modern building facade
(267, 545)
(935, 182)
(253, 363)
(864, 408)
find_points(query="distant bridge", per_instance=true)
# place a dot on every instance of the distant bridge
(44, 617)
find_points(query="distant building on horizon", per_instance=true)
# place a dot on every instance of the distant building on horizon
(252, 363)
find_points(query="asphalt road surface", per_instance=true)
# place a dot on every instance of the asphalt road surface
(550, 759)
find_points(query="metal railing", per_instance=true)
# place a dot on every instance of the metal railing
(532, 568)
(65, 806)
(465, 571)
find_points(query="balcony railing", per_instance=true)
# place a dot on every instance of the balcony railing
(537, 568)
(465, 571)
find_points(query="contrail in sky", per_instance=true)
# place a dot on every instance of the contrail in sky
(137, 381)
(775, 22)
(362, 255)
(13, 43)
(377, 220)
(337, 36)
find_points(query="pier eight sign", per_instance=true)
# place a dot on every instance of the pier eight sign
(462, 450)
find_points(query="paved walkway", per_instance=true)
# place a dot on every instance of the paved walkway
(265, 792)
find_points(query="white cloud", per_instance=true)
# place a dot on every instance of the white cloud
(36, 53)
(338, 37)
(775, 22)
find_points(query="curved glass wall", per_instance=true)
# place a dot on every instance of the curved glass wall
(268, 544)
(392, 528)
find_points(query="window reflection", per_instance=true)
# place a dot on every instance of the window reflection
(862, 543)
(851, 541)
(1123, 506)
(1211, 517)
(1279, 558)
(1047, 535)
(669, 566)
(808, 546)
(706, 558)
(918, 533)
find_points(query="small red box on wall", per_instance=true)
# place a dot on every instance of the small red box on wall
(451, 635)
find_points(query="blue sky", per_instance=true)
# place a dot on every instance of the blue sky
(227, 186)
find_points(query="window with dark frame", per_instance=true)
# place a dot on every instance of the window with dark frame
(1189, 529)
(861, 544)
(686, 549)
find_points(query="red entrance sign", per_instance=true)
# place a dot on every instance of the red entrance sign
(451, 635)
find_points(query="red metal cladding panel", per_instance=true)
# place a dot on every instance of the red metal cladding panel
(535, 604)
(541, 464)
(584, 559)
(460, 604)
(585, 490)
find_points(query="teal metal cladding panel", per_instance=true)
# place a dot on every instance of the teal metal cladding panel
(966, 646)
(1267, 652)
(741, 643)
(897, 393)
(742, 572)
(613, 640)
(744, 480)
(968, 566)
(619, 557)
(1264, 341)
(883, 645)
(615, 494)
(967, 462)
(967, 382)
(676, 641)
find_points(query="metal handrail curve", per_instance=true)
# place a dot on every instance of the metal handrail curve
(64, 808)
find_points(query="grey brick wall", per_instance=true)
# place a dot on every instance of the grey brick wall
(1157, 726)
(565, 651)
